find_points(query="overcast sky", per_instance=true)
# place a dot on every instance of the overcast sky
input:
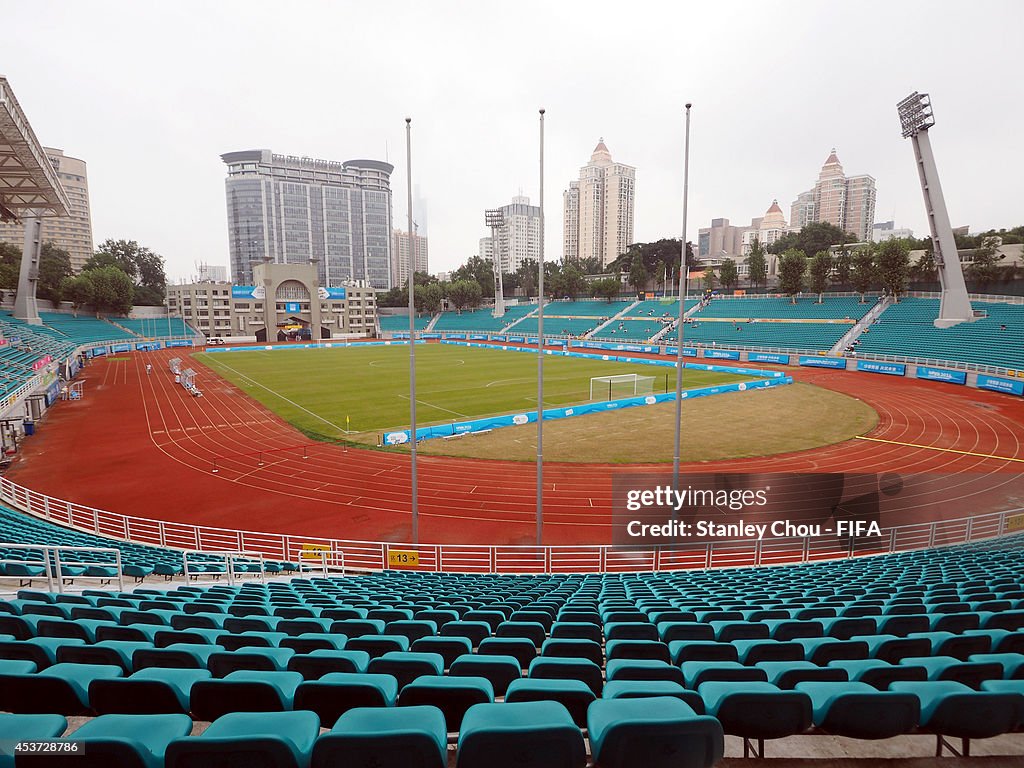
(150, 94)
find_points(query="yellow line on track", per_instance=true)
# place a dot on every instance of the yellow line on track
(944, 450)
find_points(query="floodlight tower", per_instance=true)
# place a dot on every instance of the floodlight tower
(916, 118)
(495, 218)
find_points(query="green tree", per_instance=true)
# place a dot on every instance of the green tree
(665, 251)
(638, 274)
(573, 282)
(843, 268)
(864, 273)
(142, 265)
(821, 266)
(792, 266)
(819, 236)
(433, 295)
(728, 275)
(78, 290)
(464, 293)
(527, 276)
(757, 264)
(113, 290)
(607, 288)
(54, 266)
(924, 270)
(10, 262)
(893, 261)
(709, 279)
(478, 270)
(984, 267)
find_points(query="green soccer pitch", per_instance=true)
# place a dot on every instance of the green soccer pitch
(328, 393)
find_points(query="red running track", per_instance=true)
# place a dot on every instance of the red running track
(140, 445)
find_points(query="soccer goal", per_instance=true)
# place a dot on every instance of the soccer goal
(621, 385)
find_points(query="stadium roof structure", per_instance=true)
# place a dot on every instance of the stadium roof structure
(28, 182)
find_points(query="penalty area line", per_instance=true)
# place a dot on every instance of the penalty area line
(937, 448)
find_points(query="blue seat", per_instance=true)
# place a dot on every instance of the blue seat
(638, 689)
(127, 741)
(41, 651)
(824, 650)
(257, 659)
(642, 669)
(860, 711)
(59, 689)
(701, 650)
(244, 691)
(117, 652)
(537, 733)
(276, 739)
(574, 695)
(970, 673)
(584, 670)
(499, 670)
(756, 711)
(563, 648)
(952, 709)
(449, 648)
(150, 691)
(452, 695)
(1012, 664)
(637, 649)
(786, 674)
(406, 667)
(880, 674)
(575, 630)
(695, 673)
(318, 663)
(385, 738)
(314, 641)
(336, 693)
(520, 648)
(753, 651)
(658, 732)
(176, 656)
(14, 728)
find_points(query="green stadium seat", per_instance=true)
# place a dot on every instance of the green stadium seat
(549, 668)
(449, 648)
(385, 738)
(970, 673)
(656, 732)
(15, 728)
(860, 711)
(316, 664)
(260, 659)
(537, 733)
(59, 689)
(756, 711)
(786, 674)
(695, 673)
(500, 671)
(880, 674)
(150, 691)
(267, 739)
(406, 666)
(454, 696)
(337, 692)
(574, 695)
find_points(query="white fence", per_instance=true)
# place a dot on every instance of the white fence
(482, 558)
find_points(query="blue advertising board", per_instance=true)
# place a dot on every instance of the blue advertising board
(147, 346)
(874, 366)
(338, 294)
(823, 362)
(996, 384)
(941, 374)
(121, 348)
(687, 351)
(768, 357)
(247, 292)
(97, 351)
(722, 354)
(292, 306)
(180, 343)
(402, 437)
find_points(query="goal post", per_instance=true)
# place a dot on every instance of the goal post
(620, 385)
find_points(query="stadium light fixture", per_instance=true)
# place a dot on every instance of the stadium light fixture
(495, 219)
(916, 114)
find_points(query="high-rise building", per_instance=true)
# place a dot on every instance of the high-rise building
(598, 209)
(72, 233)
(297, 210)
(847, 202)
(401, 242)
(720, 240)
(767, 229)
(518, 238)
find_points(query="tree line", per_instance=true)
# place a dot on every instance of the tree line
(119, 275)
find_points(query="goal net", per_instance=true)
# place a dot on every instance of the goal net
(621, 385)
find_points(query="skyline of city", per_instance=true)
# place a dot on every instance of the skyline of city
(473, 144)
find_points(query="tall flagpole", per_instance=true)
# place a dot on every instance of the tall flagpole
(412, 337)
(540, 352)
(684, 278)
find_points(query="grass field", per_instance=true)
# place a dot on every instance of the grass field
(736, 425)
(321, 391)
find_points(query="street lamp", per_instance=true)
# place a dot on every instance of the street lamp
(495, 219)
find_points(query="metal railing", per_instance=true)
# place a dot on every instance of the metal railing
(53, 564)
(197, 563)
(482, 558)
